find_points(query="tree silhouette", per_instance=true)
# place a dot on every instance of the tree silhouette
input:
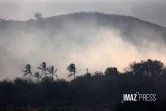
(37, 75)
(92, 89)
(43, 68)
(111, 71)
(28, 71)
(151, 68)
(72, 69)
(38, 16)
(52, 72)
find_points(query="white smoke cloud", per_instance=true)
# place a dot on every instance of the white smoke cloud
(93, 48)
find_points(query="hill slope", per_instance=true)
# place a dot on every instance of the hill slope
(86, 39)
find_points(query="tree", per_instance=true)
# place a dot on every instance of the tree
(28, 71)
(52, 72)
(151, 68)
(72, 69)
(37, 75)
(43, 68)
(111, 71)
(38, 16)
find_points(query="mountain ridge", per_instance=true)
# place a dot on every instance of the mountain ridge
(87, 13)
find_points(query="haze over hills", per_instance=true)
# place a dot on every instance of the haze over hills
(90, 40)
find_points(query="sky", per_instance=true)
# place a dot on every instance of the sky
(149, 10)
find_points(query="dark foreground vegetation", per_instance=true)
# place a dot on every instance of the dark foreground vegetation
(98, 91)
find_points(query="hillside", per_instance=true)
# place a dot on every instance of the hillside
(130, 27)
(95, 48)
(72, 37)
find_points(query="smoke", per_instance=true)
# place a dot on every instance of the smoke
(99, 49)
(82, 41)
(110, 50)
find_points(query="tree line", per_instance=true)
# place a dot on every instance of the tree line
(47, 70)
(97, 90)
(151, 68)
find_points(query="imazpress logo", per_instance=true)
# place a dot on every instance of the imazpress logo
(139, 97)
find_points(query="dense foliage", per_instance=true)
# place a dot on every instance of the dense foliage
(91, 90)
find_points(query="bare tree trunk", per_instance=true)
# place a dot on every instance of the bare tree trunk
(38, 79)
(30, 77)
(52, 78)
(74, 76)
(45, 73)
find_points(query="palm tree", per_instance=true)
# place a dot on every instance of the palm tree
(72, 69)
(27, 71)
(43, 68)
(37, 75)
(52, 72)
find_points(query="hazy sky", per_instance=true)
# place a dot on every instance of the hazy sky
(149, 10)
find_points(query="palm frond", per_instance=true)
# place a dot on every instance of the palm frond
(37, 74)
(25, 71)
(71, 68)
(55, 71)
(39, 67)
(28, 66)
(49, 69)
(56, 75)
(41, 75)
(70, 75)
(25, 74)
(43, 65)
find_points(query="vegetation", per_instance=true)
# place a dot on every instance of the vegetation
(52, 72)
(38, 16)
(72, 69)
(91, 91)
(37, 75)
(28, 71)
(43, 68)
(94, 91)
